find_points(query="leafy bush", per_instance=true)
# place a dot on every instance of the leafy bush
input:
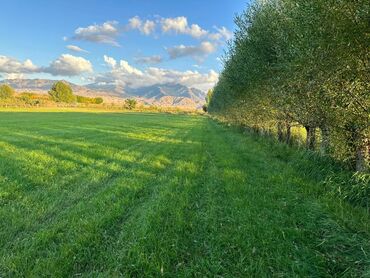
(6, 91)
(62, 92)
(205, 107)
(130, 103)
(81, 99)
(98, 100)
(27, 98)
(89, 100)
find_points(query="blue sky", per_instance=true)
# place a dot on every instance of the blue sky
(125, 42)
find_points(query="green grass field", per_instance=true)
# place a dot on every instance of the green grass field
(135, 194)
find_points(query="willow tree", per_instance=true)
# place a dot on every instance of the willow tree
(301, 62)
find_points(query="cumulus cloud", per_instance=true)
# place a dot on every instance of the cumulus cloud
(110, 61)
(123, 74)
(104, 33)
(198, 52)
(222, 34)
(11, 65)
(135, 22)
(69, 65)
(188, 78)
(145, 27)
(155, 59)
(75, 48)
(121, 67)
(148, 27)
(65, 65)
(179, 25)
(13, 76)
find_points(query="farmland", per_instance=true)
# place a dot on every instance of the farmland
(136, 194)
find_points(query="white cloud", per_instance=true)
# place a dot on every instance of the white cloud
(75, 48)
(122, 74)
(65, 65)
(188, 78)
(124, 68)
(135, 22)
(198, 52)
(179, 25)
(222, 34)
(196, 31)
(110, 61)
(155, 59)
(11, 65)
(148, 27)
(68, 65)
(104, 33)
(121, 67)
(13, 76)
(145, 27)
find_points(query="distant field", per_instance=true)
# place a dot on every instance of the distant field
(139, 194)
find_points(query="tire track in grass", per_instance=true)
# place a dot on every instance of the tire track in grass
(218, 205)
(82, 254)
(59, 227)
(150, 240)
(103, 253)
(64, 201)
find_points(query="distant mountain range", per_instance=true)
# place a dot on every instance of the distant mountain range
(169, 94)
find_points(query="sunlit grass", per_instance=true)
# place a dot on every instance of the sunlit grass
(130, 194)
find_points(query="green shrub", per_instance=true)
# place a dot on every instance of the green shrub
(6, 91)
(27, 98)
(130, 103)
(62, 92)
(98, 100)
(81, 99)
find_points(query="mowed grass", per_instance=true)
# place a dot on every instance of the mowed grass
(117, 194)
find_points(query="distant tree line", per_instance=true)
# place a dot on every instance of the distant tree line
(60, 92)
(301, 63)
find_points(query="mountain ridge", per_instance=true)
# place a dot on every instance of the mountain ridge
(166, 94)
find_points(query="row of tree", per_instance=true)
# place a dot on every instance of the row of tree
(306, 63)
(60, 92)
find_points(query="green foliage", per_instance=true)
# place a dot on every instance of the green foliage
(89, 100)
(81, 99)
(28, 98)
(209, 96)
(62, 92)
(171, 195)
(298, 62)
(98, 100)
(6, 91)
(130, 103)
(205, 108)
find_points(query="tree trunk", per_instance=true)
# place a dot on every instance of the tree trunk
(288, 138)
(362, 155)
(280, 131)
(325, 140)
(311, 137)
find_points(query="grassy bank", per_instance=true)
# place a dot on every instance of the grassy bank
(138, 194)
